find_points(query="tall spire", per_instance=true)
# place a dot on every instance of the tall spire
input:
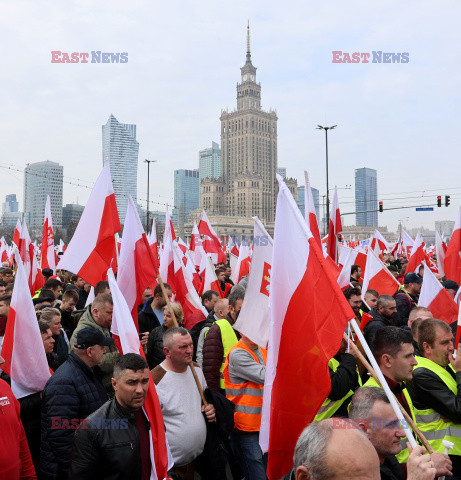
(248, 42)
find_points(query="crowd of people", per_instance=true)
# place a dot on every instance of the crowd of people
(89, 421)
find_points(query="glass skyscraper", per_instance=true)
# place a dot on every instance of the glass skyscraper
(210, 162)
(186, 193)
(120, 147)
(366, 197)
(42, 179)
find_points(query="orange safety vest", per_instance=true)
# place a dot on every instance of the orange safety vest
(247, 396)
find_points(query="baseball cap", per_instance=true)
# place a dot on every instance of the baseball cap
(450, 285)
(89, 337)
(412, 278)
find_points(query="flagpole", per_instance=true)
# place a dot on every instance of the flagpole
(173, 316)
(383, 383)
(410, 421)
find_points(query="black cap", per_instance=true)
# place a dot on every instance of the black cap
(450, 285)
(89, 337)
(412, 278)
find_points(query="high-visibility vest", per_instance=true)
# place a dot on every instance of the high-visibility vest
(229, 339)
(330, 407)
(430, 422)
(402, 457)
(247, 396)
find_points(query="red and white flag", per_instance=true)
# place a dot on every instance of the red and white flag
(242, 267)
(3, 250)
(210, 280)
(452, 262)
(357, 258)
(186, 294)
(253, 320)
(417, 256)
(136, 266)
(334, 228)
(124, 327)
(309, 212)
(166, 255)
(344, 278)
(23, 351)
(378, 277)
(196, 246)
(17, 233)
(211, 243)
(434, 297)
(308, 314)
(407, 242)
(379, 242)
(48, 253)
(34, 275)
(91, 250)
(440, 249)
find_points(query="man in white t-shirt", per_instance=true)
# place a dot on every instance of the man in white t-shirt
(180, 401)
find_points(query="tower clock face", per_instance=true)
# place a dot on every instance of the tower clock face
(252, 77)
(245, 77)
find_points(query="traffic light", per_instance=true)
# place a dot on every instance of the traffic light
(439, 200)
(380, 206)
(447, 200)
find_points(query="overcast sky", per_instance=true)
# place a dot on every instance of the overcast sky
(184, 61)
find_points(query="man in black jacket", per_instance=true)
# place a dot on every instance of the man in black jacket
(407, 298)
(114, 441)
(383, 316)
(151, 315)
(70, 395)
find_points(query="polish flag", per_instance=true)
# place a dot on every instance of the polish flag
(344, 278)
(196, 246)
(186, 294)
(334, 229)
(308, 314)
(3, 250)
(417, 256)
(91, 250)
(211, 243)
(452, 262)
(309, 212)
(242, 267)
(34, 275)
(17, 233)
(62, 246)
(124, 327)
(166, 255)
(210, 281)
(136, 265)
(152, 238)
(357, 258)
(379, 242)
(233, 259)
(253, 319)
(434, 297)
(48, 254)
(407, 242)
(377, 277)
(23, 351)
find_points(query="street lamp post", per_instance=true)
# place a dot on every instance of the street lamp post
(319, 127)
(148, 179)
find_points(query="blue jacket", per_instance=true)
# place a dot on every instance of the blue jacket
(70, 395)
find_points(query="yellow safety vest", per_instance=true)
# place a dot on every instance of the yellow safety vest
(402, 457)
(430, 422)
(229, 339)
(330, 407)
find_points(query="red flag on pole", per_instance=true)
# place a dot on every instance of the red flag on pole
(453, 254)
(23, 351)
(48, 254)
(378, 277)
(334, 229)
(91, 250)
(309, 212)
(211, 243)
(136, 265)
(308, 314)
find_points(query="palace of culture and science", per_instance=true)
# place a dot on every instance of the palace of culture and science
(247, 186)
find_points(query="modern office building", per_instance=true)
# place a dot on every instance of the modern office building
(71, 214)
(120, 147)
(42, 179)
(301, 203)
(366, 197)
(10, 205)
(210, 162)
(186, 194)
(445, 227)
